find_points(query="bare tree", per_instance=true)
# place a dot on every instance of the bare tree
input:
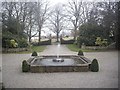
(57, 20)
(87, 6)
(75, 10)
(8, 8)
(41, 15)
(31, 27)
(23, 14)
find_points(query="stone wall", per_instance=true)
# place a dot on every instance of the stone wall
(12, 50)
(79, 67)
(41, 69)
(93, 47)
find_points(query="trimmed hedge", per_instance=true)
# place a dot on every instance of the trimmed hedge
(80, 53)
(94, 67)
(34, 53)
(62, 41)
(47, 42)
(25, 66)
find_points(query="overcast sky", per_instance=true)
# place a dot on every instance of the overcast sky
(54, 2)
(57, 1)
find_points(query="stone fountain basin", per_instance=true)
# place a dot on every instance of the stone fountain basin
(71, 63)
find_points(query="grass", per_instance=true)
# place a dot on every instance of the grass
(33, 48)
(38, 48)
(74, 48)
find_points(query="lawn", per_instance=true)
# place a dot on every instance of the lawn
(33, 48)
(74, 48)
(38, 48)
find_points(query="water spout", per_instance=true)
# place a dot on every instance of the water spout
(58, 49)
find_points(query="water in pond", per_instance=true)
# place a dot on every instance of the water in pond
(57, 61)
(50, 62)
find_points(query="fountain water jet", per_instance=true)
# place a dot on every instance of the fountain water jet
(58, 47)
(58, 59)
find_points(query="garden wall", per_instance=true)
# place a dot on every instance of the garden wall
(47, 42)
(12, 50)
(62, 41)
(41, 69)
(93, 47)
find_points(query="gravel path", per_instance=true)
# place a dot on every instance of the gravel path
(107, 77)
(54, 49)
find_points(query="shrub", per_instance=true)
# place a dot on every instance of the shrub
(101, 42)
(89, 32)
(98, 41)
(25, 66)
(80, 53)
(34, 53)
(94, 67)
(13, 43)
(22, 43)
(8, 43)
(86, 40)
(104, 42)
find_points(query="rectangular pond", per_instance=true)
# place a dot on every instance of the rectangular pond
(68, 63)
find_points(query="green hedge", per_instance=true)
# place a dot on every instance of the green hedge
(62, 41)
(94, 67)
(25, 66)
(86, 40)
(80, 53)
(11, 43)
(22, 43)
(47, 42)
(34, 53)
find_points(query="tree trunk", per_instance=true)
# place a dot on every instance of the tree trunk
(30, 40)
(57, 37)
(39, 37)
(75, 33)
(117, 33)
(39, 34)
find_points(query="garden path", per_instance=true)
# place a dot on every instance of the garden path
(107, 77)
(54, 49)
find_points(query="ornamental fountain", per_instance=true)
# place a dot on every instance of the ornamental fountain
(58, 63)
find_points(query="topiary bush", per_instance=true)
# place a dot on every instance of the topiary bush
(94, 67)
(34, 53)
(80, 53)
(25, 66)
